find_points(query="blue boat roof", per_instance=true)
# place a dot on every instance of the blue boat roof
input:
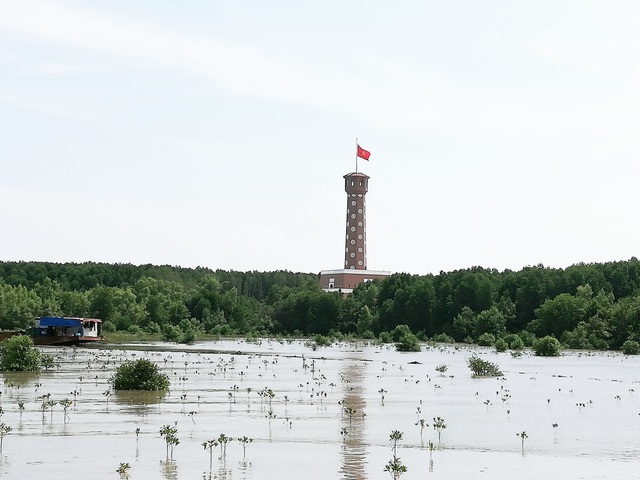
(60, 322)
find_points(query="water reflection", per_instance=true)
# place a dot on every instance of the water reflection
(20, 379)
(169, 469)
(245, 470)
(139, 402)
(354, 449)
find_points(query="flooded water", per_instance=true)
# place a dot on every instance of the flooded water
(327, 418)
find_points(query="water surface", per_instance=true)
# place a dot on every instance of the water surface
(590, 398)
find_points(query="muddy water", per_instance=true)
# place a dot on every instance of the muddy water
(590, 398)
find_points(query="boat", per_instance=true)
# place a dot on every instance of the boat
(66, 331)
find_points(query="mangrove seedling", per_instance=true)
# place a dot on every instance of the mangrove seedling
(66, 403)
(439, 426)
(422, 425)
(395, 468)
(123, 470)
(382, 391)
(137, 433)
(4, 430)
(244, 441)
(441, 369)
(270, 415)
(210, 445)
(169, 434)
(350, 412)
(21, 408)
(344, 432)
(523, 436)
(223, 440)
(51, 404)
(269, 394)
(47, 361)
(395, 437)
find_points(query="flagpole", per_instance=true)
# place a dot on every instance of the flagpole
(356, 154)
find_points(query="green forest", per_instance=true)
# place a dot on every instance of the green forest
(584, 306)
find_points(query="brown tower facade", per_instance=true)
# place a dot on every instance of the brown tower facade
(354, 269)
(355, 252)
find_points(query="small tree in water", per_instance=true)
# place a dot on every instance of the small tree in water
(395, 437)
(523, 436)
(170, 437)
(139, 374)
(395, 468)
(210, 445)
(19, 354)
(483, 368)
(4, 430)
(439, 426)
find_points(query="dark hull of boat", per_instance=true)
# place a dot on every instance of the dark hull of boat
(63, 340)
(59, 340)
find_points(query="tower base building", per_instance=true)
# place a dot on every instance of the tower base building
(355, 257)
(344, 281)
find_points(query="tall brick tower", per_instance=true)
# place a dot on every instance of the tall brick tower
(354, 269)
(355, 257)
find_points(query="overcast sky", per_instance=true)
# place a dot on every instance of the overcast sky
(216, 133)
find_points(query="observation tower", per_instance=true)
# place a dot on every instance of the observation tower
(354, 270)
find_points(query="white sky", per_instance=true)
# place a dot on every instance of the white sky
(216, 133)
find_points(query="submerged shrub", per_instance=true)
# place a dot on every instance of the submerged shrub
(18, 354)
(514, 342)
(486, 339)
(527, 337)
(443, 338)
(408, 343)
(483, 368)
(546, 347)
(631, 347)
(385, 337)
(139, 374)
(322, 340)
(501, 345)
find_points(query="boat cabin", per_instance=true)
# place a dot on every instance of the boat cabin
(61, 330)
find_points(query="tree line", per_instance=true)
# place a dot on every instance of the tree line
(589, 306)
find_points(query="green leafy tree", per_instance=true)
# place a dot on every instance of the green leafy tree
(464, 324)
(486, 339)
(631, 347)
(483, 368)
(490, 321)
(405, 340)
(141, 374)
(19, 354)
(547, 347)
(18, 306)
(560, 314)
